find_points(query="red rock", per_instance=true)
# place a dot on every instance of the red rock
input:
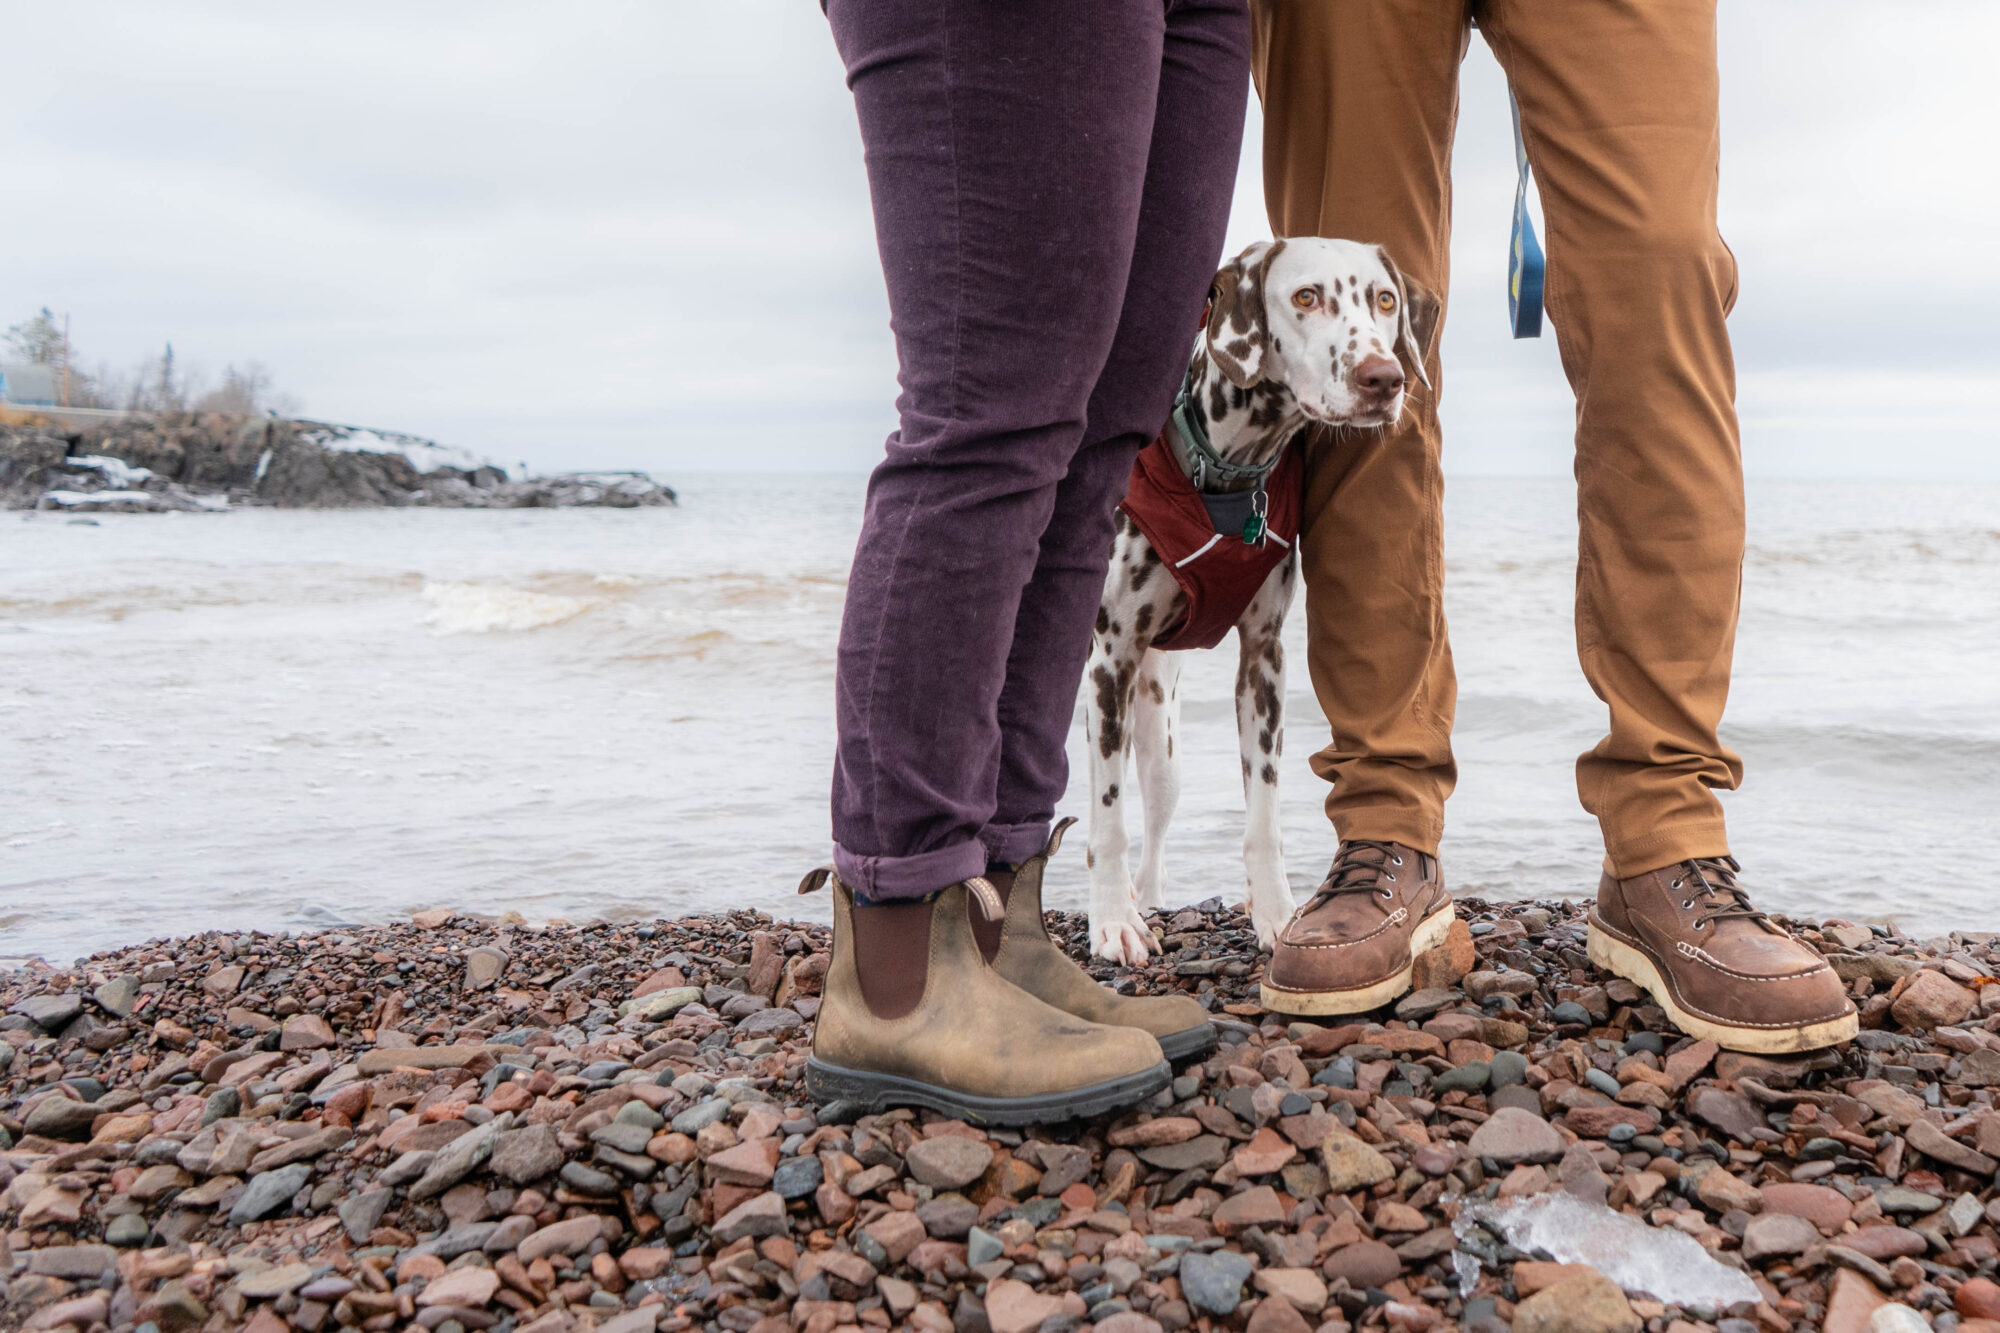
(1594, 1122)
(751, 1163)
(1016, 1307)
(644, 1263)
(508, 1096)
(1977, 1298)
(897, 1234)
(1367, 1263)
(1274, 1314)
(1449, 962)
(1257, 1207)
(1885, 1243)
(1931, 1000)
(468, 1287)
(1405, 1041)
(1825, 1208)
(1155, 1133)
(1533, 1275)
(1264, 1153)
(306, 1032)
(1852, 1301)
(1684, 1065)
(1325, 1041)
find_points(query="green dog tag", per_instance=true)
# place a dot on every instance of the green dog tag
(1253, 530)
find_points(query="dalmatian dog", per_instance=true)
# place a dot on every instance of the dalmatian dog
(1297, 332)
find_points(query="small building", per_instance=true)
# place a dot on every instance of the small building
(28, 385)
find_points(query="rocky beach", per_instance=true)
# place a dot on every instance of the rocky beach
(460, 1124)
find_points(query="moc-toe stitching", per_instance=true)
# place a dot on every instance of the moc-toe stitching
(1394, 918)
(1681, 999)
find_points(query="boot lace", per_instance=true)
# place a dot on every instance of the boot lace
(1711, 881)
(1354, 873)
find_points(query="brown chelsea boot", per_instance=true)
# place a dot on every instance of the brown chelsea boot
(911, 1014)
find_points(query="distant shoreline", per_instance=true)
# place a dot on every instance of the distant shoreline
(207, 463)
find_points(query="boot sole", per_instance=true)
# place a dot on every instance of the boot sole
(1430, 933)
(1617, 957)
(870, 1092)
(1189, 1042)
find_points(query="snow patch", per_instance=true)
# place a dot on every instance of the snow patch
(425, 456)
(115, 471)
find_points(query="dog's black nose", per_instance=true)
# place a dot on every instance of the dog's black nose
(1379, 376)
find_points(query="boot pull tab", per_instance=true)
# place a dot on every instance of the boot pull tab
(816, 879)
(1056, 837)
(988, 898)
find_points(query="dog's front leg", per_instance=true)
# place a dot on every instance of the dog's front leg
(1156, 717)
(1260, 734)
(1117, 931)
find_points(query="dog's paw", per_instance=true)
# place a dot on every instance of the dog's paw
(1123, 939)
(1270, 918)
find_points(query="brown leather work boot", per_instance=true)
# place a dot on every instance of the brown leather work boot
(1718, 966)
(1351, 947)
(1019, 948)
(933, 1025)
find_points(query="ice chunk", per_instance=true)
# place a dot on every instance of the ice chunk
(1669, 1266)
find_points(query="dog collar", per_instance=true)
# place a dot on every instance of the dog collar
(1197, 457)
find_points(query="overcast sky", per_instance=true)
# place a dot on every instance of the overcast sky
(602, 234)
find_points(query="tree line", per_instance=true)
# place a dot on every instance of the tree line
(157, 384)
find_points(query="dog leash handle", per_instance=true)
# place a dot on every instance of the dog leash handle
(1525, 265)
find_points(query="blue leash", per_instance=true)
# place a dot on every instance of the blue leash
(1525, 265)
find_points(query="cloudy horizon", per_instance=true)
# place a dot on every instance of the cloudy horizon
(632, 235)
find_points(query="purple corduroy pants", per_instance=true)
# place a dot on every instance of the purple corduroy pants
(1051, 182)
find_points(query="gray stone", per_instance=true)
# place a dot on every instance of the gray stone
(796, 1177)
(588, 1179)
(624, 1136)
(948, 1162)
(223, 1104)
(1731, 1112)
(1419, 1005)
(362, 1213)
(771, 1023)
(524, 1156)
(1772, 1235)
(457, 1160)
(271, 1283)
(50, 1013)
(701, 1115)
(660, 1005)
(119, 996)
(1465, 1078)
(1213, 1283)
(484, 966)
(75, 1263)
(1507, 1069)
(949, 1216)
(762, 1215)
(270, 1192)
(982, 1247)
(636, 1112)
(464, 1240)
(128, 1231)
(406, 1168)
(1512, 1135)
(1204, 1152)
(58, 1117)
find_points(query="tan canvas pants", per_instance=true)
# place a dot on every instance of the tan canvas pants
(1618, 108)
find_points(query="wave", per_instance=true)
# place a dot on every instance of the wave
(486, 608)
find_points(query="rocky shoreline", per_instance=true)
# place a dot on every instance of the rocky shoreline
(206, 463)
(462, 1124)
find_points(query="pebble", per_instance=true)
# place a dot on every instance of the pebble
(649, 1117)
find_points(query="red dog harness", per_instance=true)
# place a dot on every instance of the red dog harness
(1219, 571)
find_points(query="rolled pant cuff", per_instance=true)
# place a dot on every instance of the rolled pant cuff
(1389, 823)
(1011, 844)
(906, 878)
(1664, 847)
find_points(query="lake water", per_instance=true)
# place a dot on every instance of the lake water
(292, 719)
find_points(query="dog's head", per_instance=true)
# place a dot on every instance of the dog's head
(1326, 320)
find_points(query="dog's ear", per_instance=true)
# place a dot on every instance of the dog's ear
(1417, 310)
(1238, 332)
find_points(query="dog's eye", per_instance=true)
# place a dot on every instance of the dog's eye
(1385, 301)
(1305, 298)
